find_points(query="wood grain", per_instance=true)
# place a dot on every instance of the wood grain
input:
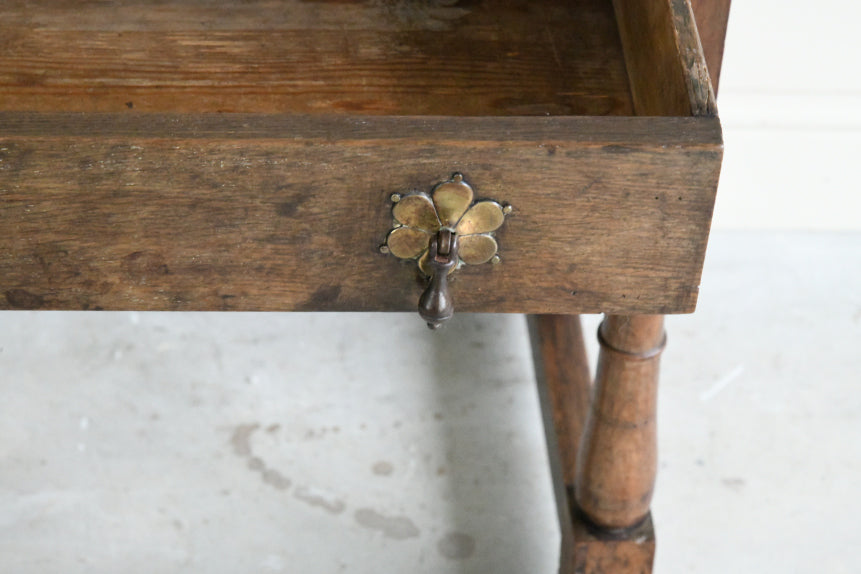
(371, 57)
(666, 69)
(562, 370)
(563, 382)
(617, 461)
(712, 17)
(258, 212)
(597, 553)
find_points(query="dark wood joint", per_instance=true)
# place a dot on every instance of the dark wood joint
(597, 552)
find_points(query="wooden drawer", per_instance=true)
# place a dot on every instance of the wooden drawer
(191, 156)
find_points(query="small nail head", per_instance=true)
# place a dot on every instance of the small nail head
(457, 177)
(495, 260)
(384, 248)
(506, 209)
(395, 197)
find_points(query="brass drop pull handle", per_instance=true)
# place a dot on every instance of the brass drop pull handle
(436, 305)
(441, 232)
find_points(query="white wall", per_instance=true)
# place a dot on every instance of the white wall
(790, 103)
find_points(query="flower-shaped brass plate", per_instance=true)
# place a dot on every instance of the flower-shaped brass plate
(450, 205)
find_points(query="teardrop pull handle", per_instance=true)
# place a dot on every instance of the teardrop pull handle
(436, 305)
(440, 232)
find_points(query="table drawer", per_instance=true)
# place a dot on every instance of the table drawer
(123, 187)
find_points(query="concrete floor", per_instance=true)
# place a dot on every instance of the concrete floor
(314, 443)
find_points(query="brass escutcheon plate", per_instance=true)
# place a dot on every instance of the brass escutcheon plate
(451, 205)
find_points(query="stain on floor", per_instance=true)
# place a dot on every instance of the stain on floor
(241, 443)
(383, 468)
(324, 500)
(241, 439)
(395, 527)
(456, 546)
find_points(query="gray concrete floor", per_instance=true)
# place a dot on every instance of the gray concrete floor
(315, 443)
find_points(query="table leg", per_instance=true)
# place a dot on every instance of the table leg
(604, 504)
(618, 452)
(564, 384)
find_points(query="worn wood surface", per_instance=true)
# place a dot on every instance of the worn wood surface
(617, 461)
(597, 553)
(712, 17)
(666, 69)
(616, 470)
(563, 382)
(610, 528)
(257, 212)
(391, 57)
(562, 368)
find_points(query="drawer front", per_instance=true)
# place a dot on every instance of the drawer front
(287, 213)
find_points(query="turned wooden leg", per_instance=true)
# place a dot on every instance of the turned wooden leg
(608, 527)
(618, 454)
(617, 460)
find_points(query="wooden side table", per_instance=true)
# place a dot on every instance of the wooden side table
(181, 156)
